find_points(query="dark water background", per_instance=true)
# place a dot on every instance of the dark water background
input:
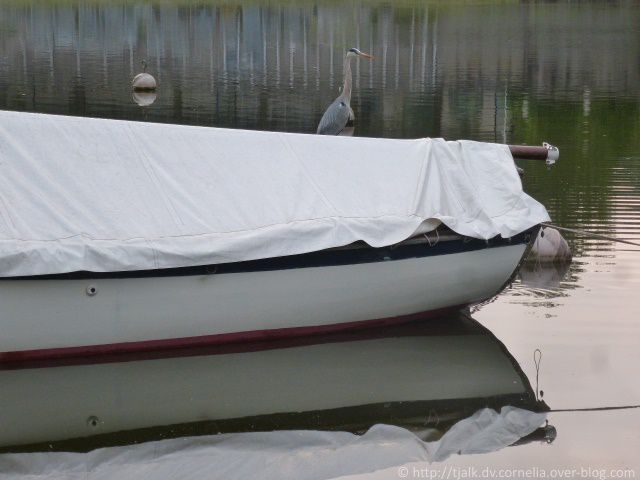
(509, 72)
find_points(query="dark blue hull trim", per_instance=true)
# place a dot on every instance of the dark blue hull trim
(351, 255)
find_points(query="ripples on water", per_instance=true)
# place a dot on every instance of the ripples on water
(507, 72)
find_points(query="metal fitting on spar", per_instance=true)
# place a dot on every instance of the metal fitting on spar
(553, 153)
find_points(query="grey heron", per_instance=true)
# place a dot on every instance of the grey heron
(339, 113)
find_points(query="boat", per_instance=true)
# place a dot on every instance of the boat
(87, 314)
(122, 237)
(424, 377)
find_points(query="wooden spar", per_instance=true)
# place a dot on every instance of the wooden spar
(526, 152)
(546, 152)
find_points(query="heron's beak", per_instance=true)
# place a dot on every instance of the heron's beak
(366, 55)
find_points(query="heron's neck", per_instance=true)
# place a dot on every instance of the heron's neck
(346, 88)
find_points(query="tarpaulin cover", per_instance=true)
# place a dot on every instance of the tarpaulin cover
(282, 455)
(106, 195)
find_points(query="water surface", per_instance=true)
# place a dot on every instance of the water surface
(518, 73)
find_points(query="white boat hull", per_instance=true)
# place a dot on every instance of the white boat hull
(51, 315)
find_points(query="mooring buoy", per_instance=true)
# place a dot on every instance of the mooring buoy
(144, 82)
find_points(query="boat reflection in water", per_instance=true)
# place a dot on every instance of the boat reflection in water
(423, 376)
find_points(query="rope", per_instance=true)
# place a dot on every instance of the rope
(591, 234)
(594, 409)
(537, 358)
(429, 239)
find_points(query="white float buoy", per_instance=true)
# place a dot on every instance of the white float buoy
(550, 246)
(144, 82)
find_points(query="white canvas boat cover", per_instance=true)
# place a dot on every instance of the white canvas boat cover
(105, 195)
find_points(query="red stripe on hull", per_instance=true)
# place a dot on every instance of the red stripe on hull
(206, 344)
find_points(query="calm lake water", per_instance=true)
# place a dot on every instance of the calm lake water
(508, 72)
